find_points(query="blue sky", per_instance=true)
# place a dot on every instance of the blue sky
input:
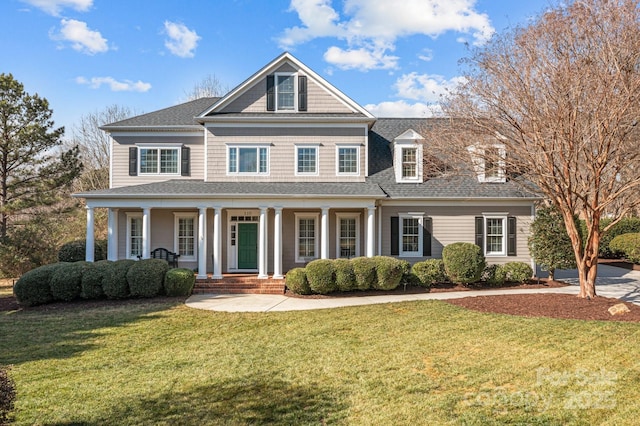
(391, 56)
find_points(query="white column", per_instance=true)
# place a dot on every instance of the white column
(90, 242)
(217, 243)
(112, 235)
(324, 233)
(277, 244)
(202, 243)
(262, 244)
(146, 232)
(371, 216)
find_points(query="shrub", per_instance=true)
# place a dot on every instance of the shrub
(296, 281)
(114, 281)
(628, 245)
(549, 242)
(75, 251)
(517, 272)
(7, 395)
(34, 288)
(627, 225)
(364, 269)
(429, 272)
(345, 277)
(146, 277)
(494, 275)
(66, 281)
(388, 273)
(463, 262)
(93, 279)
(321, 275)
(179, 282)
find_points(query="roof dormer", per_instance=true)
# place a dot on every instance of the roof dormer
(489, 162)
(407, 157)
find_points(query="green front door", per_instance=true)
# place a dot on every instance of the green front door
(247, 246)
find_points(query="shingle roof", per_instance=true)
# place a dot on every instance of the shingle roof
(177, 115)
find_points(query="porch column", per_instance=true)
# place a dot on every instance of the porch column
(202, 243)
(112, 235)
(146, 232)
(324, 233)
(262, 244)
(90, 242)
(371, 215)
(217, 242)
(277, 244)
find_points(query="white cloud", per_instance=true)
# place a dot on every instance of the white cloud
(403, 109)
(426, 87)
(181, 40)
(54, 7)
(318, 19)
(361, 59)
(114, 85)
(81, 37)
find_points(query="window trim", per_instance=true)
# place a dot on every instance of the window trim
(173, 147)
(401, 252)
(257, 147)
(344, 215)
(397, 161)
(485, 231)
(176, 237)
(316, 147)
(357, 148)
(315, 217)
(133, 215)
(295, 91)
(480, 166)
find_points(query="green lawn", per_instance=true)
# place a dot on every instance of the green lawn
(407, 363)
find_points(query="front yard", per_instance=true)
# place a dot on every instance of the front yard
(158, 362)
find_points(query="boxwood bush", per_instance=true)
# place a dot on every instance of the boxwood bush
(628, 245)
(7, 395)
(93, 279)
(463, 262)
(146, 277)
(494, 275)
(33, 288)
(364, 269)
(66, 281)
(114, 280)
(517, 272)
(179, 282)
(296, 281)
(345, 277)
(388, 273)
(321, 275)
(429, 272)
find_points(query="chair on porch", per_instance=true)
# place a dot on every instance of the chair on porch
(163, 253)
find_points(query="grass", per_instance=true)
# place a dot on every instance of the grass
(406, 363)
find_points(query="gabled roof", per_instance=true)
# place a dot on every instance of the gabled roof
(284, 58)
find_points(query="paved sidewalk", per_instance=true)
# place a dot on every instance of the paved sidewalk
(612, 282)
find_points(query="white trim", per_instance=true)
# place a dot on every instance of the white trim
(315, 217)
(176, 229)
(347, 146)
(316, 147)
(173, 147)
(151, 133)
(347, 215)
(397, 162)
(295, 91)
(420, 218)
(132, 215)
(257, 147)
(206, 154)
(479, 163)
(503, 218)
(232, 250)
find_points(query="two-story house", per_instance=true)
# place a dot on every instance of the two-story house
(286, 168)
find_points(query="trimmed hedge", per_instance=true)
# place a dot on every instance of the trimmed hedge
(66, 281)
(114, 281)
(389, 271)
(33, 288)
(429, 272)
(179, 282)
(494, 275)
(364, 269)
(517, 272)
(296, 281)
(345, 277)
(463, 262)
(321, 275)
(93, 279)
(146, 277)
(628, 245)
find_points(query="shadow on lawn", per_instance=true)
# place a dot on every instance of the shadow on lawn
(256, 399)
(63, 330)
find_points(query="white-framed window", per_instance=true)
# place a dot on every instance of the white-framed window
(306, 237)
(306, 159)
(249, 160)
(411, 229)
(185, 231)
(347, 235)
(285, 85)
(409, 163)
(159, 160)
(348, 160)
(489, 162)
(134, 235)
(495, 235)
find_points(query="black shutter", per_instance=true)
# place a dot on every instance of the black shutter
(271, 93)
(186, 161)
(426, 236)
(395, 237)
(511, 236)
(480, 232)
(302, 93)
(133, 161)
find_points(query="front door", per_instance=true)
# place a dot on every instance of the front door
(247, 246)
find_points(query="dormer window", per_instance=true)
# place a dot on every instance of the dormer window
(407, 157)
(409, 163)
(286, 92)
(489, 162)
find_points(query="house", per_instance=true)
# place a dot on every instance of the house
(285, 169)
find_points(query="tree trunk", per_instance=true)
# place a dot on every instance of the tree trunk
(587, 272)
(552, 274)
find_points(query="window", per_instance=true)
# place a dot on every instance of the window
(409, 163)
(248, 160)
(411, 229)
(348, 238)
(306, 160)
(134, 235)
(348, 157)
(489, 162)
(185, 235)
(306, 237)
(285, 92)
(495, 236)
(159, 160)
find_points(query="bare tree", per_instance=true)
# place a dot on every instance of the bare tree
(209, 87)
(556, 104)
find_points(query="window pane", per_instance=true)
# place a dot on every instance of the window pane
(233, 160)
(186, 236)
(169, 161)
(135, 239)
(306, 237)
(348, 160)
(492, 163)
(410, 234)
(494, 235)
(307, 160)
(409, 162)
(248, 162)
(148, 160)
(347, 237)
(286, 94)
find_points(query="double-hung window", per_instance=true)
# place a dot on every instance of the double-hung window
(411, 239)
(248, 160)
(348, 238)
(159, 160)
(285, 92)
(306, 237)
(409, 163)
(134, 235)
(306, 160)
(495, 236)
(497, 233)
(185, 235)
(347, 159)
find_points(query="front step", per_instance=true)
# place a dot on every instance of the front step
(239, 285)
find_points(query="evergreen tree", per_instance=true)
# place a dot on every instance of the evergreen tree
(549, 242)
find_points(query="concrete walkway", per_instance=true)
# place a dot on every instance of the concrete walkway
(612, 282)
